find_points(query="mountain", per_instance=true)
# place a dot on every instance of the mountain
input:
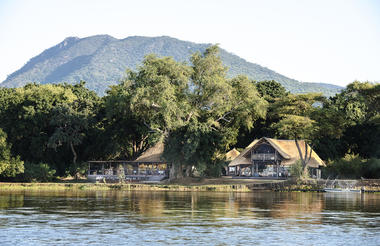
(102, 60)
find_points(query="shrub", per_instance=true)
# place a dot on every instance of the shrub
(352, 167)
(296, 169)
(40, 172)
(372, 169)
(77, 170)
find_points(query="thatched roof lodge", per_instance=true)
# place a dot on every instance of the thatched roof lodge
(148, 167)
(272, 157)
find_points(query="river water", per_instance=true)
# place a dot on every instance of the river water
(188, 218)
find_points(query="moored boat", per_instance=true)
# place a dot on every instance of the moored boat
(341, 190)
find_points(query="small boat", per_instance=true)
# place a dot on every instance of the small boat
(341, 190)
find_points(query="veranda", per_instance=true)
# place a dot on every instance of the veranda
(130, 171)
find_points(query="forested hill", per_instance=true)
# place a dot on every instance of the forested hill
(102, 60)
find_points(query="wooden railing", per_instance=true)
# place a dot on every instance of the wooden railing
(263, 157)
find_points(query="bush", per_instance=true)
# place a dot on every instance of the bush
(352, 167)
(296, 169)
(77, 170)
(40, 172)
(372, 169)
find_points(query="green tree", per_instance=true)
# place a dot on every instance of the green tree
(359, 104)
(218, 108)
(125, 136)
(9, 166)
(296, 123)
(29, 112)
(70, 126)
(196, 109)
(270, 90)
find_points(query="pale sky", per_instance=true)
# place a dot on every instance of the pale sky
(331, 41)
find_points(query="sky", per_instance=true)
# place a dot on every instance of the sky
(326, 41)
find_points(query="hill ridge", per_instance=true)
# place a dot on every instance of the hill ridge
(101, 60)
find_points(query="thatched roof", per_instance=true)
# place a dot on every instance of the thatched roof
(232, 154)
(153, 154)
(286, 148)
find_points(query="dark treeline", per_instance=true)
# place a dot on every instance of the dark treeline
(53, 129)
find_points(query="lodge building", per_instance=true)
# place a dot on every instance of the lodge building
(268, 157)
(148, 167)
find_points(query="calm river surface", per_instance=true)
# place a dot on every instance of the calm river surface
(188, 218)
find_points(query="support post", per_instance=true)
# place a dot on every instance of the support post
(278, 169)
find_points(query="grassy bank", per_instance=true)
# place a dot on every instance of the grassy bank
(312, 185)
(218, 185)
(124, 187)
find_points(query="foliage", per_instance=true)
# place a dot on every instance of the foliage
(38, 116)
(9, 166)
(296, 170)
(38, 172)
(69, 127)
(353, 167)
(295, 112)
(270, 90)
(349, 122)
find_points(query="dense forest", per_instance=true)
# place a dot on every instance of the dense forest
(199, 112)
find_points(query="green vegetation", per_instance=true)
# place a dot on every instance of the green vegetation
(196, 109)
(353, 167)
(296, 170)
(101, 61)
(9, 166)
(40, 172)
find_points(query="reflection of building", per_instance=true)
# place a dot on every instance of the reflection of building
(148, 167)
(267, 157)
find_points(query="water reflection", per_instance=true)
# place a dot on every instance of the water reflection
(183, 217)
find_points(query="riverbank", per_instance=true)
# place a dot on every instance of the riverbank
(312, 185)
(224, 184)
(123, 187)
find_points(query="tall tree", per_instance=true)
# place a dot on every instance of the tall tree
(190, 106)
(70, 126)
(296, 122)
(271, 91)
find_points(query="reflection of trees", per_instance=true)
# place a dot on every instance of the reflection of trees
(11, 200)
(276, 204)
(351, 202)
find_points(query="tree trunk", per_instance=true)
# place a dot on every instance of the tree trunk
(306, 157)
(176, 172)
(74, 153)
(188, 171)
(172, 172)
(76, 175)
